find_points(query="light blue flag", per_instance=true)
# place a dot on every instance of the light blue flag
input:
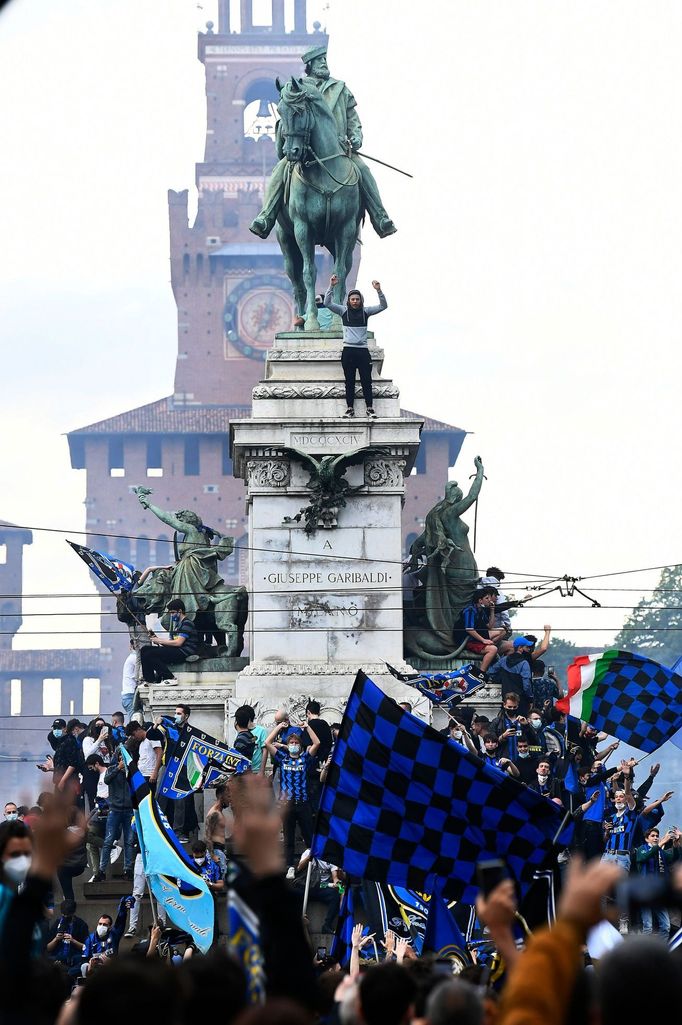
(175, 881)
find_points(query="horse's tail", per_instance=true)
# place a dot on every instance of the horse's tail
(416, 649)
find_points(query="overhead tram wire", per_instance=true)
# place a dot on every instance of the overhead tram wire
(544, 577)
(364, 608)
(107, 594)
(248, 548)
(348, 628)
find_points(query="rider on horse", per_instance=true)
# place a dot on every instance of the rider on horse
(342, 105)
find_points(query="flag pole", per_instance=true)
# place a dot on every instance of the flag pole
(307, 886)
(151, 903)
(562, 826)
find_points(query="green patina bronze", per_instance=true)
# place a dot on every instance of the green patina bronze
(442, 557)
(321, 188)
(327, 485)
(194, 577)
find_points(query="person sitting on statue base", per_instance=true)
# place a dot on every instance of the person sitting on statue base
(175, 649)
(475, 626)
(355, 355)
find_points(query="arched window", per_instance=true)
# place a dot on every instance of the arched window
(260, 110)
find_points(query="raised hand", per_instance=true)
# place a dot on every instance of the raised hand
(401, 949)
(498, 909)
(389, 942)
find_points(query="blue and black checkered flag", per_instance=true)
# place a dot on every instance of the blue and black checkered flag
(402, 804)
(341, 944)
(627, 696)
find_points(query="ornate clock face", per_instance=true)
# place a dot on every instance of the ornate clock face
(255, 310)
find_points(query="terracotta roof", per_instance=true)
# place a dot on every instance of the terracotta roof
(48, 660)
(162, 417)
(433, 425)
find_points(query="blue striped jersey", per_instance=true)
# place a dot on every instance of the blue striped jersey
(619, 839)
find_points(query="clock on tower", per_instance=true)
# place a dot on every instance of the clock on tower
(256, 308)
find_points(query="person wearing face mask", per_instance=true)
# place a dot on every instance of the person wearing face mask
(57, 733)
(491, 756)
(526, 761)
(209, 868)
(621, 825)
(16, 850)
(544, 783)
(68, 760)
(163, 652)
(458, 732)
(510, 726)
(294, 762)
(66, 938)
(537, 740)
(105, 938)
(181, 814)
(513, 672)
(96, 740)
(11, 813)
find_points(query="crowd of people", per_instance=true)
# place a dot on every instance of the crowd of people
(61, 964)
(554, 979)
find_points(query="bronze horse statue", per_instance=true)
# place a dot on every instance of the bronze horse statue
(322, 201)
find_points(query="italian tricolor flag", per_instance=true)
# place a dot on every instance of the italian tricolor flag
(585, 675)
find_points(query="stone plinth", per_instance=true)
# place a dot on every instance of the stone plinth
(205, 691)
(322, 605)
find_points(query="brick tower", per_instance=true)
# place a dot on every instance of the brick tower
(232, 297)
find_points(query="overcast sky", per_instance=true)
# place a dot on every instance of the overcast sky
(534, 284)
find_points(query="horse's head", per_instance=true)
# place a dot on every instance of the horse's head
(302, 110)
(296, 120)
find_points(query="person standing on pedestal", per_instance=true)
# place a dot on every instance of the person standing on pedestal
(355, 356)
(294, 762)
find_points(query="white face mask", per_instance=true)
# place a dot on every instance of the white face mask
(11, 816)
(294, 750)
(620, 805)
(542, 778)
(200, 861)
(102, 930)
(536, 723)
(16, 869)
(524, 754)
(457, 734)
(177, 719)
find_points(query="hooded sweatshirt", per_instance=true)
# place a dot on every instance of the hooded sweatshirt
(355, 321)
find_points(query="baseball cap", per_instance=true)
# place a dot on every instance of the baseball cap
(522, 642)
(59, 724)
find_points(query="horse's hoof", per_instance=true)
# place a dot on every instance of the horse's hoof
(385, 227)
(260, 227)
(312, 324)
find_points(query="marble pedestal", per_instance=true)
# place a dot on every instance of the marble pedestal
(321, 606)
(206, 691)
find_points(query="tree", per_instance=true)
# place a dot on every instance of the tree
(654, 628)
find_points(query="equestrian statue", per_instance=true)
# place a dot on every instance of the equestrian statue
(320, 189)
